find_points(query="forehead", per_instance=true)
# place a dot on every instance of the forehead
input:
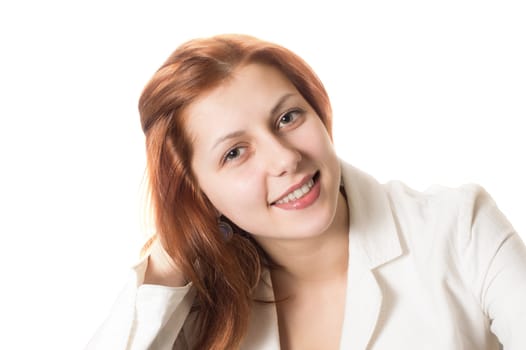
(251, 90)
(252, 81)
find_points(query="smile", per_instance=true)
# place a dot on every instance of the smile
(301, 196)
(298, 193)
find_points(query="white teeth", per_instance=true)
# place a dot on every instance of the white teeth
(298, 193)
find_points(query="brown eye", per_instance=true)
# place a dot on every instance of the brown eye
(234, 153)
(288, 118)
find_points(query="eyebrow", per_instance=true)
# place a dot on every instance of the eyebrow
(273, 111)
(228, 136)
(280, 103)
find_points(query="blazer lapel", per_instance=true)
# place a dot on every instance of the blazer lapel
(373, 241)
(363, 304)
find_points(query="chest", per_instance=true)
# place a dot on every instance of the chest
(312, 320)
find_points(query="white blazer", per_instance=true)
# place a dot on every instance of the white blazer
(442, 269)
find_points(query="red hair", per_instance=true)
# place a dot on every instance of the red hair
(224, 273)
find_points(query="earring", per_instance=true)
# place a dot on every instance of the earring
(225, 229)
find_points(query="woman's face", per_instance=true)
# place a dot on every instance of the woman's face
(263, 157)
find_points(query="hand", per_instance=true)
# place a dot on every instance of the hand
(162, 269)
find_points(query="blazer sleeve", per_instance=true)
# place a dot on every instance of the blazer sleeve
(494, 259)
(144, 316)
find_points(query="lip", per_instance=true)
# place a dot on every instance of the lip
(304, 201)
(298, 185)
(292, 188)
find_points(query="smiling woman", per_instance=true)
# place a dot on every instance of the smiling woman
(265, 239)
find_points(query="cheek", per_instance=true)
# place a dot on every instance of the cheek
(233, 195)
(320, 144)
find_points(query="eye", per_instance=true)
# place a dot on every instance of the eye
(288, 118)
(233, 154)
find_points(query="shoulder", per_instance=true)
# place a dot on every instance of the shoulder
(455, 198)
(461, 201)
(467, 206)
(436, 199)
(463, 223)
(452, 220)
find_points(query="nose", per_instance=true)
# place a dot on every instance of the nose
(279, 157)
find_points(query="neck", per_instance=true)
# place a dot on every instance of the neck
(316, 259)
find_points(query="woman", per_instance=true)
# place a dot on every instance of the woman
(265, 239)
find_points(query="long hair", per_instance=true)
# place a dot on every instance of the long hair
(223, 272)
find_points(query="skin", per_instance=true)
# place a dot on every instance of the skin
(250, 148)
(255, 138)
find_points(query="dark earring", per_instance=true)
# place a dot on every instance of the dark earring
(225, 229)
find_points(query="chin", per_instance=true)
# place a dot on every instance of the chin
(311, 227)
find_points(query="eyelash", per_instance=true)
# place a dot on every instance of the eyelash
(227, 154)
(295, 113)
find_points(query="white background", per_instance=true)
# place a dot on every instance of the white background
(423, 91)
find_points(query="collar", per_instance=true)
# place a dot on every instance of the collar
(372, 226)
(373, 241)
